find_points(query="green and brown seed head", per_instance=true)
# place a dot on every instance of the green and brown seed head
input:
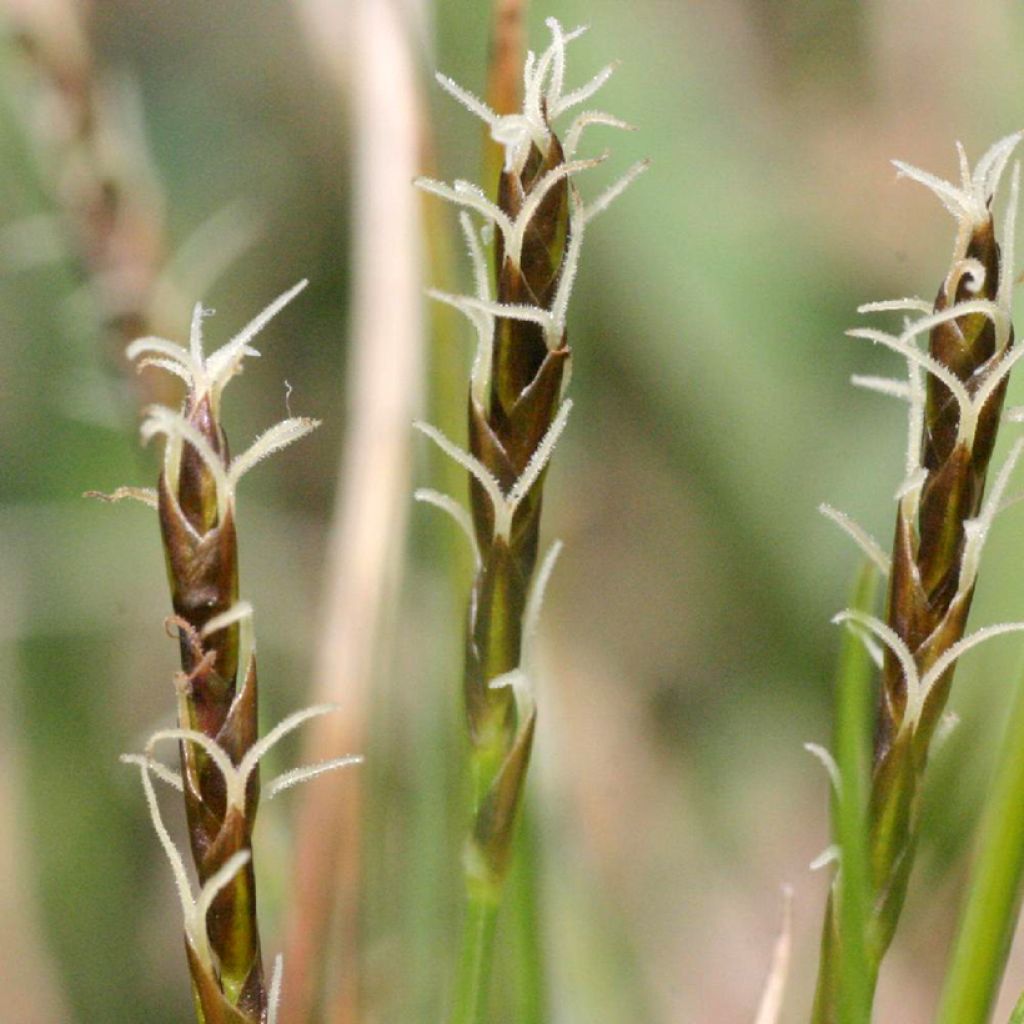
(217, 685)
(955, 392)
(928, 603)
(515, 406)
(526, 388)
(216, 688)
(201, 551)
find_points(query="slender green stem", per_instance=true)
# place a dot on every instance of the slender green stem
(524, 903)
(853, 746)
(993, 904)
(848, 970)
(473, 982)
(483, 898)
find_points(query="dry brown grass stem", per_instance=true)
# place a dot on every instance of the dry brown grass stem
(505, 67)
(369, 524)
(504, 74)
(106, 202)
(93, 162)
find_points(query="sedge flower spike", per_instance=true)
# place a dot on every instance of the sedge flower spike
(535, 223)
(958, 352)
(217, 728)
(954, 393)
(535, 219)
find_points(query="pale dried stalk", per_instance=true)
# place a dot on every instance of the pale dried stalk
(504, 73)
(369, 523)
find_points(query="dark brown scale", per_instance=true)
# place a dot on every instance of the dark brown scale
(197, 491)
(519, 347)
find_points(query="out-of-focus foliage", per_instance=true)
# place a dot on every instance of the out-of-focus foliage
(687, 645)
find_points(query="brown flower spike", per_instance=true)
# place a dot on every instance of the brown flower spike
(954, 391)
(516, 413)
(217, 730)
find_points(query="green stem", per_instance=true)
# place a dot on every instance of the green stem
(993, 904)
(848, 969)
(483, 898)
(473, 982)
(853, 746)
(524, 903)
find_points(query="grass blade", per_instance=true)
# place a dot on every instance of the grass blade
(987, 925)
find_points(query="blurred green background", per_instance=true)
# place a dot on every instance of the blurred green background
(686, 643)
